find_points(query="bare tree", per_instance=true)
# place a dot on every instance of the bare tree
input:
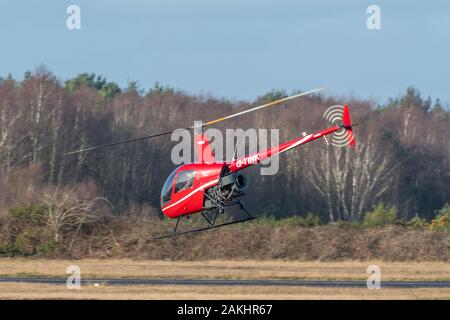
(66, 210)
(351, 181)
(10, 116)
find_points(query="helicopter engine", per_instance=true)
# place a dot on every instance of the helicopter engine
(229, 186)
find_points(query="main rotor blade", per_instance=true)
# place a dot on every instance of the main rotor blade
(121, 142)
(204, 125)
(270, 104)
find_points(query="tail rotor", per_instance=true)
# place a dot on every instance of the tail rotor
(340, 116)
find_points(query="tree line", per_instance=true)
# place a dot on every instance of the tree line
(402, 156)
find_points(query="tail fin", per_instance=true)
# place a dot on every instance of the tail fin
(347, 122)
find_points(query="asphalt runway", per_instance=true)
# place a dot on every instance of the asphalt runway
(220, 282)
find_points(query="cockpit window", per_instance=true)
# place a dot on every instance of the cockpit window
(185, 180)
(166, 192)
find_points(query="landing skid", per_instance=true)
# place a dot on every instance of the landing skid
(211, 222)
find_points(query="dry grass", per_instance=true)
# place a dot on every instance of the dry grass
(39, 291)
(225, 269)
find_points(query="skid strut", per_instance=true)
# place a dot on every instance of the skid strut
(211, 222)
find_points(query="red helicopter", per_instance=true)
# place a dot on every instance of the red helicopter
(209, 185)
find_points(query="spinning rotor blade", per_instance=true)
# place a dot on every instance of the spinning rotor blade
(121, 142)
(270, 104)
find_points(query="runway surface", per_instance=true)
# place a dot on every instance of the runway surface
(227, 282)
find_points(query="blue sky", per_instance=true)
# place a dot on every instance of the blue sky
(237, 49)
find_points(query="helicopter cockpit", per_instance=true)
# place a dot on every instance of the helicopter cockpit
(166, 192)
(184, 180)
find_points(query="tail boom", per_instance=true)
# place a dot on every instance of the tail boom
(239, 164)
